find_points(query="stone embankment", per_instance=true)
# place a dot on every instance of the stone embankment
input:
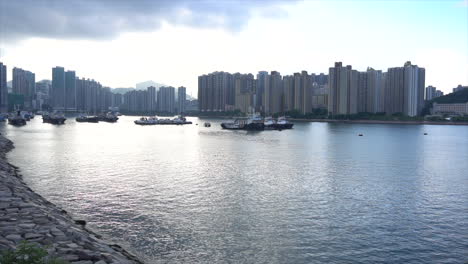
(25, 215)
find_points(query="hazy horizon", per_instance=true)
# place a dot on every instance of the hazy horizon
(173, 42)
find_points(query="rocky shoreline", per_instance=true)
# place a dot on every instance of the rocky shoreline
(25, 215)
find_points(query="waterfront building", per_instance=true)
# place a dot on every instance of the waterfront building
(414, 89)
(404, 90)
(181, 99)
(288, 93)
(24, 83)
(116, 101)
(363, 92)
(263, 80)
(216, 92)
(298, 91)
(3, 88)
(70, 91)
(152, 106)
(394, 90)
(343, 90)
(457, 109)
(166, 99)
(375, 91)
(244, 86)
(58, 88)
(272, 95)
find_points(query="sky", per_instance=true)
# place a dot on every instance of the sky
(120, 43)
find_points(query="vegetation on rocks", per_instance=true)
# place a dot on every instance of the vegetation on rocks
(27, 253)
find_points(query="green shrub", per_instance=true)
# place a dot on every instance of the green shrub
(27, 253)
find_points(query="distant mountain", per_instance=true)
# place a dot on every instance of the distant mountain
(144, 85)
(122, 90)
(190, 98)
(46, 81)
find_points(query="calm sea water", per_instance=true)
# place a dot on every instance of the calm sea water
(314, 194)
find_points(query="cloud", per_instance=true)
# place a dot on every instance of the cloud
(105, 19)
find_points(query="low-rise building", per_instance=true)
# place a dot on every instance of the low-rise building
(458, 109)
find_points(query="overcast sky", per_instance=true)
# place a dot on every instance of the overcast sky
(120, 43)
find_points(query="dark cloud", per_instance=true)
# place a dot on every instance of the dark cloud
(103, 19)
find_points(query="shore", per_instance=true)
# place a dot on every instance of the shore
(381, 122)
(25, 215)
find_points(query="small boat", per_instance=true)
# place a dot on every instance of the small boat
(108, 117)
(16, 120)
(253, 122)
(179, 120)
(283, 123)
(144, 121)
(88, 119)
(425, 134)
(207, 124)
(360, 135)
(270, 123)
(54, 118)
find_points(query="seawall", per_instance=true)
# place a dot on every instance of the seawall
(25, 215)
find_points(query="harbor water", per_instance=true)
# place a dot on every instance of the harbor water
(318, 193)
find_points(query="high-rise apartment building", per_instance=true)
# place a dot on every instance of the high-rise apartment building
(152, 106)
(216, 92)
(432, 92)
(3, 88)
(343, 90)
(70, 91)
(263, 81)
(375, 91)
(181, 98)
(288, 93)
(166, 99)
(244, 86)
(58, 88)
(24, 83)
(272, 95)
(404, 90)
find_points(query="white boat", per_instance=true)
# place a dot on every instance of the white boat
(179, 120)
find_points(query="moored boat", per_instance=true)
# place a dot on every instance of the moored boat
(53, 118)
(108, 117)
(179, 120)
(253, 122)
(283, 123)
(16, 119)
(87, 119)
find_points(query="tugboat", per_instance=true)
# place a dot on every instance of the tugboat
(283, 123)
(88, 119)
(109, 117)
(54, 118)
(16, 120)
(254, 122)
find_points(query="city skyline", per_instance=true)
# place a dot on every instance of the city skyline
(283, 36)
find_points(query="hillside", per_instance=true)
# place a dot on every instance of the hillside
(451, 98)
